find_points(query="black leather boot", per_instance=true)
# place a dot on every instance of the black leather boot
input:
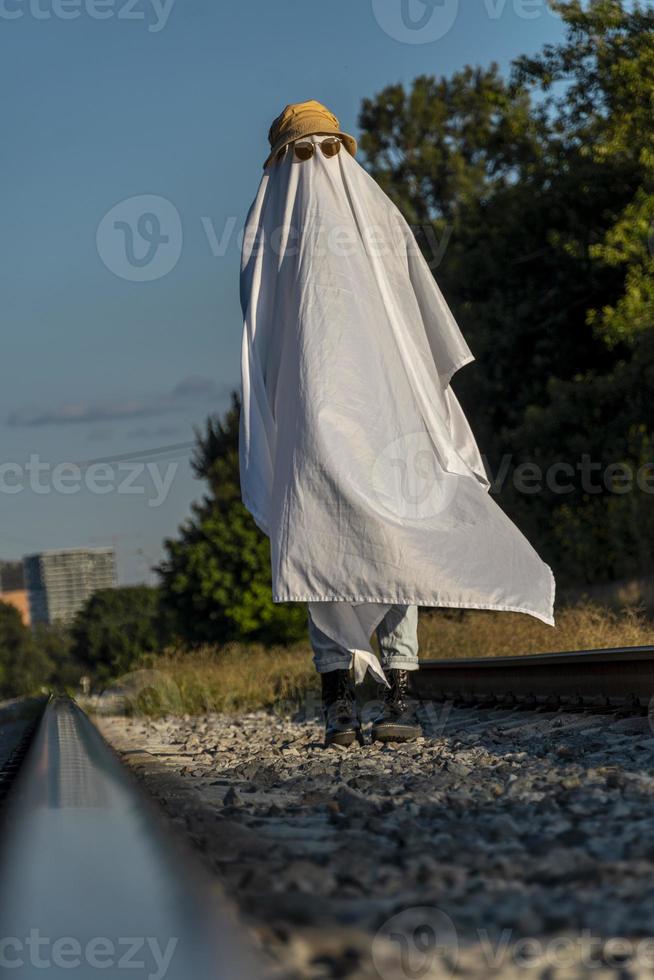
(397, 720)
(342, 725)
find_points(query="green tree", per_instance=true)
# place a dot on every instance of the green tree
(54, 642)
(115, 628)
(216, 578)
(607, 62)
(541, 186)
(24, 666)
(475, 167)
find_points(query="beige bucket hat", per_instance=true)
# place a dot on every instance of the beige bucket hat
(304, 119)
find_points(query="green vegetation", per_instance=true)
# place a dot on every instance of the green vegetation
(33, 660)
(244, 677)
(541, 187)
(113, 632)
(216, 580)
(116, 628)
(232, 678)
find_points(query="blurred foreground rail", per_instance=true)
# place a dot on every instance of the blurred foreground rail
(621, 679)
(91, 882)
(19, 721)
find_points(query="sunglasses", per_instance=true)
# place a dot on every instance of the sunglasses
(305, 149)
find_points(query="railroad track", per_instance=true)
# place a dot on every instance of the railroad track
(86, 861)
(619, 679)
(19, 720)
(91, 879)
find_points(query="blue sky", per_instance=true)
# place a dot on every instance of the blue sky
(116, 109)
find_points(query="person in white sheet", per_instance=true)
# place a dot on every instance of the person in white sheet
(356, 458)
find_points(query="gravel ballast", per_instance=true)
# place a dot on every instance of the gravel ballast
(503, 843)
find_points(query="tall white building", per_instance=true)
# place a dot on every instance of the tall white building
(60, 582)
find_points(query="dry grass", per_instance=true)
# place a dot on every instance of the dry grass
(583, 626)
(233, 678)
(241, 677)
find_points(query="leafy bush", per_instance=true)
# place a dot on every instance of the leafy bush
(25, 664)
(116, 627)
(216, 579)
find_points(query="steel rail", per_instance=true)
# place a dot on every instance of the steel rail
(19, 720)
(615, 678)
(92, 883)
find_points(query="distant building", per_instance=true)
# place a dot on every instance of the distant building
(11, 576)
(60, 582)
(12, 588)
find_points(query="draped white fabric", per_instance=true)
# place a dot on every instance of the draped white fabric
(356, 457)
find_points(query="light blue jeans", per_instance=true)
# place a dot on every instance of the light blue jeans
(397, 634)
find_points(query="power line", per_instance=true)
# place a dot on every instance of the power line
(178, 448)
